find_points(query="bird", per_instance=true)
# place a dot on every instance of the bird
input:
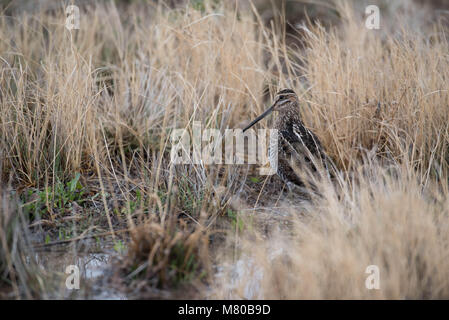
(296, 147)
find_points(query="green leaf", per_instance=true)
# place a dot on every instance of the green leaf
(119, 246)
(74, 182)
(254, 179)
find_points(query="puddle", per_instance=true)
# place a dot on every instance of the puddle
(243, 278)
(94, 270)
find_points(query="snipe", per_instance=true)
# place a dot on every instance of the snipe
(297, 146)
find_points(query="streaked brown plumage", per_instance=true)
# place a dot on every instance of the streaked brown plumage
(297, 146)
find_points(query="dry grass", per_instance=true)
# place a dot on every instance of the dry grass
(19, 274)
(102, 101)
(383, 219)
(368, 95)
(379, 92)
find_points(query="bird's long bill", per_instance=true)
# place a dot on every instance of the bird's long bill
(263, 115)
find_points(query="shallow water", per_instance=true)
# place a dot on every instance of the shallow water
(94, 269)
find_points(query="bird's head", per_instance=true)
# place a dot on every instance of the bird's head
(283, 101)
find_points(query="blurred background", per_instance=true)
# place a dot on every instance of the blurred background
(296, 11)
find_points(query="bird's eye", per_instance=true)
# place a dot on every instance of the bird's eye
(281, 97)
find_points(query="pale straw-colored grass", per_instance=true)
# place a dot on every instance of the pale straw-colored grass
(103, 100)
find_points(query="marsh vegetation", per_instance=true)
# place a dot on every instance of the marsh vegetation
(85, 123)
